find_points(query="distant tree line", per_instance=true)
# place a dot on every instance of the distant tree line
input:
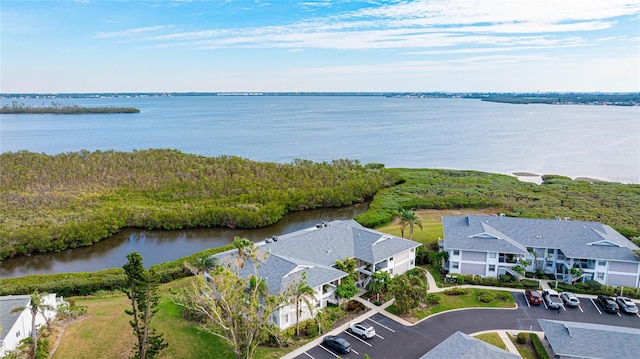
(55, 108)
(51, 203)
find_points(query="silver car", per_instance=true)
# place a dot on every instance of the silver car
(362, 329)
(627, 305)
(569, 299)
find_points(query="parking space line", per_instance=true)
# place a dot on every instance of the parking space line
(355, 351)
(329, 351)
(382, 325)
(357, 337)
(594, 304)
(526, 300)
(309, 355)
(580, 307)
(620, 315)
(638, 315)
(381, 337)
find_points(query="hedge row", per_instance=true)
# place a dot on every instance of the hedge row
(541, 352)
(85, 283)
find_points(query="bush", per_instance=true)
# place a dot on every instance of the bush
(456, 291)
(529, 283)
(433, 299)
(541, 352)
(486, 296)
(522, 338)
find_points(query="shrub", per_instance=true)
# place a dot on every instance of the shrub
(486, 296)
(456, 291)
(433, 299)
(537, 345)
(529, 283)
(490, 281)
(522, 338)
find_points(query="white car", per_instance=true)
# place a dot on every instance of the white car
(569, 299)
(362, 329)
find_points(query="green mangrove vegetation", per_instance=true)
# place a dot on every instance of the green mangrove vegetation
(610, 203)
(17, 109)
(51, 203)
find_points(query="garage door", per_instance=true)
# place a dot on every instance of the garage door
(472, 268)
(616, 280)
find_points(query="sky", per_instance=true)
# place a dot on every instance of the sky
(324, 46)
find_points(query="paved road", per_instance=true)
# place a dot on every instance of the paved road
(397, 341)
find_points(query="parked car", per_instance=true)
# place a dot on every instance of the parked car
(608, 304)
(569, 299)
(363, 330)
(533, 297)
(626, 305)
(337, 343)
(552, 299)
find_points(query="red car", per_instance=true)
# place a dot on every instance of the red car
(533, 297)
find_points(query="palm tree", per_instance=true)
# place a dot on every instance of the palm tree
(205, 263)
(36, 305)
(301, 293)
(411, 219)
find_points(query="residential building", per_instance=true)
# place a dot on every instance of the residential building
(492, 245)
(587, 340)
(16, 324)
(463, 346)
(314, 251)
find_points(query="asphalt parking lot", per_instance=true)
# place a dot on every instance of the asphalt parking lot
(395, 340)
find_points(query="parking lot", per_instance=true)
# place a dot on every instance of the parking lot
(395, 340)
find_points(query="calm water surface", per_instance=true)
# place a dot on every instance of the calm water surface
(162, 246)
(591, 141)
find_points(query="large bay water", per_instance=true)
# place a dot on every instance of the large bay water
(574, 140)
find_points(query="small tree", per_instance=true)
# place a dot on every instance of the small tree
(346, 290)
(299, 292)
(142, 290)
(379, 282)
(576, 274)
(36, 306)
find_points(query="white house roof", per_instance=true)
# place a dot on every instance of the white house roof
(586, 340)
(576, 239)
(7, 316)
(463, 346)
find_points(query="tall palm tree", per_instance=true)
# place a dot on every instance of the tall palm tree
(36, 305)
(411, 219)
(301, 293)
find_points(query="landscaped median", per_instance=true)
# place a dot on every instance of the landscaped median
(459, 298)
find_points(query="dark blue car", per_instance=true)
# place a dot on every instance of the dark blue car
(337, 343)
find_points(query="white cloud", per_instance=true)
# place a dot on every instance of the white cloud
(130, 32)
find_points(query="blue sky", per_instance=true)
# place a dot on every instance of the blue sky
(278, 45)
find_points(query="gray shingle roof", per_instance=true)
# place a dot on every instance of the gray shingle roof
(586, 340)
(340, 240)
(316, 249)
(463, 346)
(576, 239)
(7, 318)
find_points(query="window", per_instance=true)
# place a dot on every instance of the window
(18, 334)
(455, 265)
(391, 259)
(413, 250)
(492, 267)
(602, 263)
(413, 262)
(600, 276)
(492, 254)
(456, 252)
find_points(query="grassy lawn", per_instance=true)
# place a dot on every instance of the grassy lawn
(449, 302)
(105, 331)
(493, 339)
(431, 223)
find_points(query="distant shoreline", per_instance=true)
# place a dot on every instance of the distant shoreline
(15, 109)
(555, 98)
